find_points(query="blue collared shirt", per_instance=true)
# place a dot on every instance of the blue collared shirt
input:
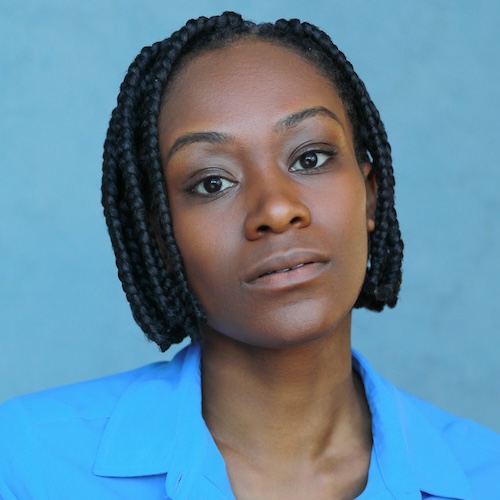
(141, 435)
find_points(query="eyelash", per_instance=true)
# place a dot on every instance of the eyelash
(328, 154)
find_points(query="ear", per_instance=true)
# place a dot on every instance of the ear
(371, 194)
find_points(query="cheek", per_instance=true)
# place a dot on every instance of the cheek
(204, 247)
(344, 220)
(343, 209)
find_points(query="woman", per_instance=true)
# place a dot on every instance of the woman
(248, 192)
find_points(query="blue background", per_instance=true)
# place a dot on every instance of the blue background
(432, 68)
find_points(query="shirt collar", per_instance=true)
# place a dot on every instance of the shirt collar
(412, 455)
(157, 427)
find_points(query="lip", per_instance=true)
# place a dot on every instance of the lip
(287, 268)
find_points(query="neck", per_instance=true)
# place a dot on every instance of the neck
(302, 401)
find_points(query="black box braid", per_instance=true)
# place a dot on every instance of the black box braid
(134, 192)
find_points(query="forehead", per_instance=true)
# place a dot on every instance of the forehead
(249, 78)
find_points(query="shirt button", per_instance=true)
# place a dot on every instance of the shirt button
(178, 481)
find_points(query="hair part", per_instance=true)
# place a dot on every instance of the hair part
(134, 193)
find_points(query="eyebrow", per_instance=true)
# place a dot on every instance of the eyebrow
(295, 119)
(283, 125)
(195, 137)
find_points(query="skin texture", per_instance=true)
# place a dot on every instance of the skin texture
(262, 176)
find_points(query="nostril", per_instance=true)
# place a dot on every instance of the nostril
(276, 213)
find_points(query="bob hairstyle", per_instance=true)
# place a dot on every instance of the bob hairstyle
(134, 193)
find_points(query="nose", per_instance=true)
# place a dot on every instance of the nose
(275, 206)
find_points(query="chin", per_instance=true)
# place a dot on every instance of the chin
(286, 330)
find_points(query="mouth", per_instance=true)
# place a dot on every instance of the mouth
(285, 270)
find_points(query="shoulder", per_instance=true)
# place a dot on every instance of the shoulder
(475, 447)
(444, 453)
(60, 430)
(470, 441)
(91, 399)
(61, 440)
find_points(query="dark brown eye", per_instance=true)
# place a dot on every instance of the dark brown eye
(308, 160)
(212, 184)
(311, 160)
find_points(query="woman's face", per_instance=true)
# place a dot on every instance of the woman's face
(269, 205)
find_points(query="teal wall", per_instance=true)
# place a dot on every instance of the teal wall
(431, 66)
